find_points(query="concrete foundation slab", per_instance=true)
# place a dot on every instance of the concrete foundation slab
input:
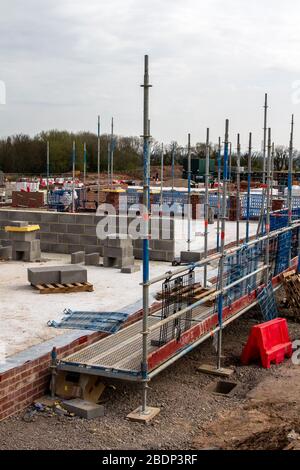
(138, 416)
(212, 370)
(84, 409)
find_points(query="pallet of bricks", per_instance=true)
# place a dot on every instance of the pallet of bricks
(291, 284)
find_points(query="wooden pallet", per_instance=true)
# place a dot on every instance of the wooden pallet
(64, 288)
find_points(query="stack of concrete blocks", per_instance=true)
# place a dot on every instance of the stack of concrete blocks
(25, 246)
(118, 253)
(57, 275)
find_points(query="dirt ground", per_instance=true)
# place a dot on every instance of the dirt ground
(263, 413)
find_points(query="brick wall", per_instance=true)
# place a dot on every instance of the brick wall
(68, 233)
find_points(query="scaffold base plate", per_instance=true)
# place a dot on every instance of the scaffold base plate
(140, 417)
(213, 370)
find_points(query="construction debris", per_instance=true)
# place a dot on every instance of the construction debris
(291, 284)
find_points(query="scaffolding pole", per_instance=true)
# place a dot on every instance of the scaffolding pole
(84, 163)
(238, 190)
(219, 195)
(265, 137)
(249, 187)
(173, 171)
(290, 182)
(268, 191)
(48, 170)
(222, 259)
(112, 152)
(98, 164)
(146, 158)
(189, 192)
(206, 204)
(73, 172)
(162, 178)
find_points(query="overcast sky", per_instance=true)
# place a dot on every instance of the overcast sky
(66, 61)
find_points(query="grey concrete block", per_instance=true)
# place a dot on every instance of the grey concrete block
(124, 262)
(5, 252)
(190, 256)
(92, 259)
(44, 275)
(78, 257)
(22, 236)
(131, 269)
(88, 240)
(31, 256)
(118, 242)
(18, 223)
(57, 274)
(77, 229)
(90, 230)
(84, 409)
(70, 239)
(26, 246)
(161, 245)
(72, 248)
(58, 228)
(93, 249)
(49, 237)
(4, 215)
(66, 218)
(72, 273)
(117, 252)
(84, 219)
(50, 217)
(110, 262)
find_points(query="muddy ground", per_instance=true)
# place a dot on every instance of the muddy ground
(263, 413)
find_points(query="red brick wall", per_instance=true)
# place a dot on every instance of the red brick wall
(20, 386)
(24, 199)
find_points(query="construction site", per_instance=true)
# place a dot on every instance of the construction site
(150, 292)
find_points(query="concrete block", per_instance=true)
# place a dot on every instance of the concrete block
(57, 274)
(190, 257)
(110, 262)
(26, 246)
(117, 252)
(140, 417)
(70, 239)
(92, 259)
(156, 255)
(90, 230)
(32, 256)
(118, 242)
(86, 240)
(84, 409)
(84, 219)
(19, 223)
(49, 237)
(78, 257)
(72, 273)
(22, 236)
(49, 217)
(44, 275)
(73, 228)
(5, 252)
(58, 228)
(66, 218)
(131, 269)
(124, 262)
(161, 245)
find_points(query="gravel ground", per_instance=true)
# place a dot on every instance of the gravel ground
(187, 408)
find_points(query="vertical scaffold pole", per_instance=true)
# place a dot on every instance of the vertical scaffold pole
(230, 161)
(272, 170)
(112, 152)
(146, 158)
(207, 155)
(222, 260)
(219, 195)
(268, 190)
(84, 163)
(162, 179)
(98, 163)
(290, 183)
(173, 171)
(189, 191)
(249, 187)
(48, 170)
(265, 137)
(238, 190)
(108, 163)
(73, 172)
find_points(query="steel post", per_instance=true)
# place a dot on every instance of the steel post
(189, 192)
(249, 187)
(219, 195)
(98, 162)
(238, 190)
(146, 158)
(206, 205)
(268, 191)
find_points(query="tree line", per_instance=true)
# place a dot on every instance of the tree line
(23, 154)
